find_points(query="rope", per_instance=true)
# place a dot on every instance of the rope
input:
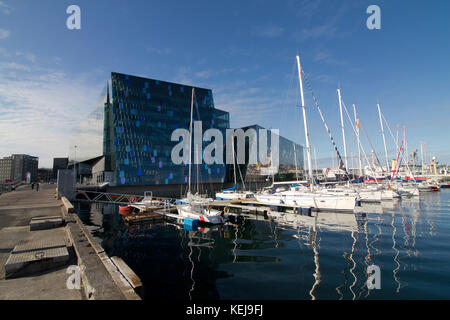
(341, 163)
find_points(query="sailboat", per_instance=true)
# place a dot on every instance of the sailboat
(298, 195)
(195, 207)
(232, 193)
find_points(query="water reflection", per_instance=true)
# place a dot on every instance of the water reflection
(286, 255)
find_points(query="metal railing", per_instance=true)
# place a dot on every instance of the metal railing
(117, 198)
(9, 186)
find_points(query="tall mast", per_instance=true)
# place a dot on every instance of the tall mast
(421, 152)
(308, 147)
(396, 141)
(234, 162)
(359, 142)
(315, 161)
(342, 126)
(190, 140)
(406, 145)
(384, 139)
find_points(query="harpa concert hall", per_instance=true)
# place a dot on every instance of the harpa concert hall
(126, 140)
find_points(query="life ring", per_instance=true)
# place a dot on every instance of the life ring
(132, 199)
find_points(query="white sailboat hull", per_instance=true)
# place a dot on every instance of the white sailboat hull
(364, 195)
(310, 200)
(234, 195)
(389, 195)
(204, 215)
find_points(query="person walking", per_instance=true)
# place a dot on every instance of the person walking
(32, 186)
(37, 186)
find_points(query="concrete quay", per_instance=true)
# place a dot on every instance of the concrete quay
(35, 224)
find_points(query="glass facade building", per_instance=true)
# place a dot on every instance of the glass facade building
(138, 123)
(126, 140)
(290, 159)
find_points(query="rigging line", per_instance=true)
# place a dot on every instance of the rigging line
(367, 136)
(291, 85)
(341, 163)
(351, 144)
(362, 149)
(392, 135)
(239, 167)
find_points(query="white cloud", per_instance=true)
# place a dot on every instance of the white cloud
(39, 107)
(4, 33)
(14, 66)
(4, 52)
(267, 31)
(327, 58)
(320, 56)
(28, 56)
(204, 74)
(4, 8)
(325, 26)
(160, 51)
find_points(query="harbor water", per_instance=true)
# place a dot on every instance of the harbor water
(289, 256)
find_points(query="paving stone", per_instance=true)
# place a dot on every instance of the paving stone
(25, 263)
(39, 245)
(41, 223)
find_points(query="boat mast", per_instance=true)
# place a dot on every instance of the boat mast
(190, 141)
(384, 139)
(315, 161)
(421, 152)
(308, 147)
(396, 141)
(234, 162)
(342, 126)
(359, 142)
(406, 145)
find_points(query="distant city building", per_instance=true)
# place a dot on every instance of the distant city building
(6, 169)
(137, 126)
(59, 163)
(45, 174)
(17, 166)
(290, 161)
(24, 164)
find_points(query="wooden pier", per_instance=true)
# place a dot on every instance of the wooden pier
(231, 207)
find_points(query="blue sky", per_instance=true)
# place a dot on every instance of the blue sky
(52, 77)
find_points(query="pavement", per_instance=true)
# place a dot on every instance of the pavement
(17, 208)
